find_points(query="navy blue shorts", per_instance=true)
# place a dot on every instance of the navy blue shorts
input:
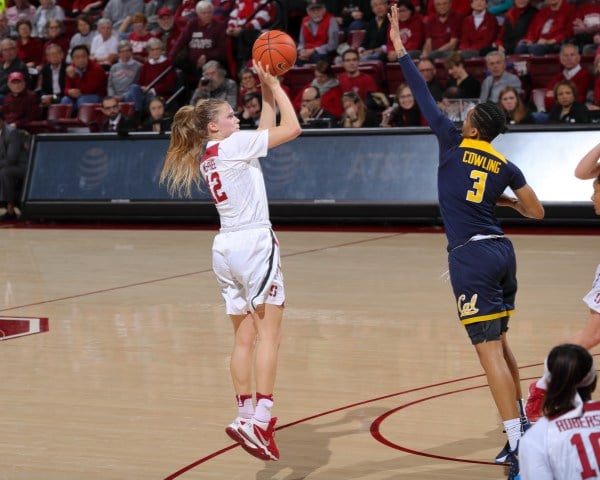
(484, 281)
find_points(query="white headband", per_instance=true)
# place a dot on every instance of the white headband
(585, 381)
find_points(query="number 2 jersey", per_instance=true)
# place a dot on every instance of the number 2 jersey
(471, 173)
(564, 448)
(232, 173)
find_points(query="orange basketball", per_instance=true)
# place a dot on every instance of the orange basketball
(276, 51)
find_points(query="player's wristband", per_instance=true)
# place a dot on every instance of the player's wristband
(401, 52)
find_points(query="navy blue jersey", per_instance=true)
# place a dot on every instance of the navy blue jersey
(471, 174)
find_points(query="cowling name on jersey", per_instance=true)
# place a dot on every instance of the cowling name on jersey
(481, 161)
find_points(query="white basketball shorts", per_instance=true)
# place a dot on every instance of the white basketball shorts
(248, 268)
(592, 299)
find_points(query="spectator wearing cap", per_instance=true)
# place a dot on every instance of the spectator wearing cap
(169, 29)
(319, 34)
(204, 39)
(11, 63)
(86, 80)
(21, 105)
(412, 31)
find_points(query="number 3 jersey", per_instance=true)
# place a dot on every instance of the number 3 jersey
(233, 175)
(564, 448)
(471, 173)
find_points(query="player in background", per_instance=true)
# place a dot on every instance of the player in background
(589, 336)
(563, 445)
(472, 177)
(206, 142)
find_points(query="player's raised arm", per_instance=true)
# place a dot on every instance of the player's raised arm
(429, 108)
(268, 112)
(289, 127)
(589, 167)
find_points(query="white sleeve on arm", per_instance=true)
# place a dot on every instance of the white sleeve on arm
(533, 457)
(245, 145)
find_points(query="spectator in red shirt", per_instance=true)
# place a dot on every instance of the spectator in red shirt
(139, 36)
(352, 79)
(204, 39)
(442, 31)
(141, 93)
(21, 105)
(586, 26)
(85, 80)
(29, 49)
(573, 71)
(551, 26)
(412, 31)
(479, 30)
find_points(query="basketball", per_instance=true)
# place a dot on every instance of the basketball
(276, 51)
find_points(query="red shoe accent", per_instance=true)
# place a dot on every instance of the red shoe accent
(264, 440)
(535, 401)
(232, 431)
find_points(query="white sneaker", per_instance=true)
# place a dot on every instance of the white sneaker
(263, 439)
(234, 434)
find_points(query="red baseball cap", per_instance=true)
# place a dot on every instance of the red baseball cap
(16, 76)
(163, 12)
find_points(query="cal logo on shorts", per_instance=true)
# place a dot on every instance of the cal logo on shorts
(467, 308)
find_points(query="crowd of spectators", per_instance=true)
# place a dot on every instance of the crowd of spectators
(160, 54)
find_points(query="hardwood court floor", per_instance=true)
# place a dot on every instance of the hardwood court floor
(132, 381)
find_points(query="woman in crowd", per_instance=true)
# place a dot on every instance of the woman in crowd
(460, 83)
(356, 114)
(567, 108)
(404, 112)
(513, 107)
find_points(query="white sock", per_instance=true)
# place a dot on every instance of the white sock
(263, 411)
(513, 431)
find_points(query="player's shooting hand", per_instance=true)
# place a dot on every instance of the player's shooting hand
(265, 77)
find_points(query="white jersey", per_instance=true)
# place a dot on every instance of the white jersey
(592, 299)
(565, 448)
(233, 175)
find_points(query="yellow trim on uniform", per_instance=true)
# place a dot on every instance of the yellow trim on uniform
(483, 146)
(487, 318)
